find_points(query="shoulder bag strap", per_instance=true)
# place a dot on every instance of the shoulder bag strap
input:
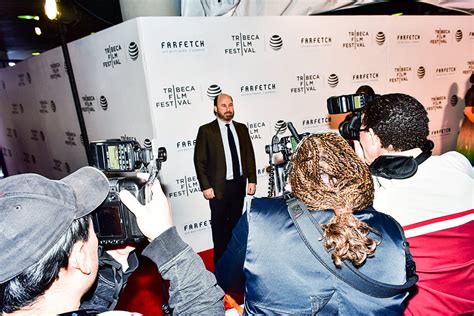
(310, 231)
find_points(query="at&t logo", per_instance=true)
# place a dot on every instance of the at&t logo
(276, 43)
(380, 38)
(333, 80)
(176, 96)
(243, 44)
(306, 83)
(133, 51)
(213, 91)
(458, 36)
(421, 72)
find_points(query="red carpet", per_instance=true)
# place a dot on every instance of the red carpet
(144, 293)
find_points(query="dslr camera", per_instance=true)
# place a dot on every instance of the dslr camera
(353, 103)
(114, 223)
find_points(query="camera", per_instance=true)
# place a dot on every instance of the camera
(349, 128)
(285, 146)
(114, 223)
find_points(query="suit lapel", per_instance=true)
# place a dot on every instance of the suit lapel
(218, 140)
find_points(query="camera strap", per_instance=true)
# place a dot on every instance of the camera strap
(399, 167)
(307, 225)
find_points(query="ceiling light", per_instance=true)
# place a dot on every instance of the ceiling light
(11, 64)
(28, 17)
(38, 30)
(51, 9)
(36, 53)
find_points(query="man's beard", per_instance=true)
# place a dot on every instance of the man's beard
(227, 116)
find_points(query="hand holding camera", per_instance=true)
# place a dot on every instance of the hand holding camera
(154, 217)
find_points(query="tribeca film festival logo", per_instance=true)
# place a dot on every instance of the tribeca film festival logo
(276, 42)
(185, 145)
(37, 135)
(88, 103)
(316, 122)
(441, 37)
(445, 71)
(17, 108)
(470, 68)
(6, 152)
(44, 108)
(183, 46)
(70, 138)
(256, 129)
(11, 132)
(356, 39)
(242, 44)
(24, 78)
(185, 186)
(255, 89)
(408, 38)
(58, 166)
(55, 71)
(365, 77)
(333, 80)
(401, 74)
(315, 41)
(306, 83)
(112, 56)
(437, 103)
(176, 96)
(29, 158)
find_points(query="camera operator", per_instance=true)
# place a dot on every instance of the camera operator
(48, 248)
(417, 192)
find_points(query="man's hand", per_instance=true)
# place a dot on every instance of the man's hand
(359, 151)
(251, 188)
(154, 217)
(208, 194)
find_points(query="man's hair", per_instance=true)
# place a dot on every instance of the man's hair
(398, 120)
(221, 94)
(28, 286)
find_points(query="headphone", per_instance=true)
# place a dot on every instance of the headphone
(400, 167)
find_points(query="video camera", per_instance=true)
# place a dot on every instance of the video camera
(286, 146)
(114, 223)
(349, 128)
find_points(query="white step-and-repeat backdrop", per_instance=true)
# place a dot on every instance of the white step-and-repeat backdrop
(155, 78)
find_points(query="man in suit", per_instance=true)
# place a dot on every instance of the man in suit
(224, 160)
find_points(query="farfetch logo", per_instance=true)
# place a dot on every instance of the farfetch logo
(458, 36)
(175, 96)
(441, 132)
(312, 123)
(183, 46)
(243, 44)
(112, 58)
(453, 100)
(365, 77)
(213, 91)
(421, 72)
(133, 51)
(441, 37)
(445, 71)
(259, 88)
(17, 108)
(401, 74)
(88, 103)
(256, 129)
(70, 138)
(437, 103)
(315, 41)
(356, 39)
(470, 68)
(306, 83)
(103, 103)
(184, 145)
(184, 186)
(333, 80)
(55, 71)
(197, 226)
(380, 38)
(408, 38)
(276, 43)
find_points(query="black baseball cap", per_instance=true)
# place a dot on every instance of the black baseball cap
(35, 212)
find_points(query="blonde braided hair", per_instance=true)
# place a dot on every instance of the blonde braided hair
(327, 174)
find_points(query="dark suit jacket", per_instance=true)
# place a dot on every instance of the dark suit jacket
(209, 157)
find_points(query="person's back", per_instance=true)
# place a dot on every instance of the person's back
(283, 277)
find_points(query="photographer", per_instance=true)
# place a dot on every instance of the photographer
(431, 196)
(49, 248)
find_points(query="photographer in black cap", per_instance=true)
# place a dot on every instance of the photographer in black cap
(48, 248)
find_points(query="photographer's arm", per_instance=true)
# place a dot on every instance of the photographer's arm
(193, 289)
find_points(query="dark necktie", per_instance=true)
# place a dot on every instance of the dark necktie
(233, 153)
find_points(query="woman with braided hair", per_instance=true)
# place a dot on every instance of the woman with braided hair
(269, 261)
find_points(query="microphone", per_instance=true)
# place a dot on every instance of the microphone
(293, 132)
